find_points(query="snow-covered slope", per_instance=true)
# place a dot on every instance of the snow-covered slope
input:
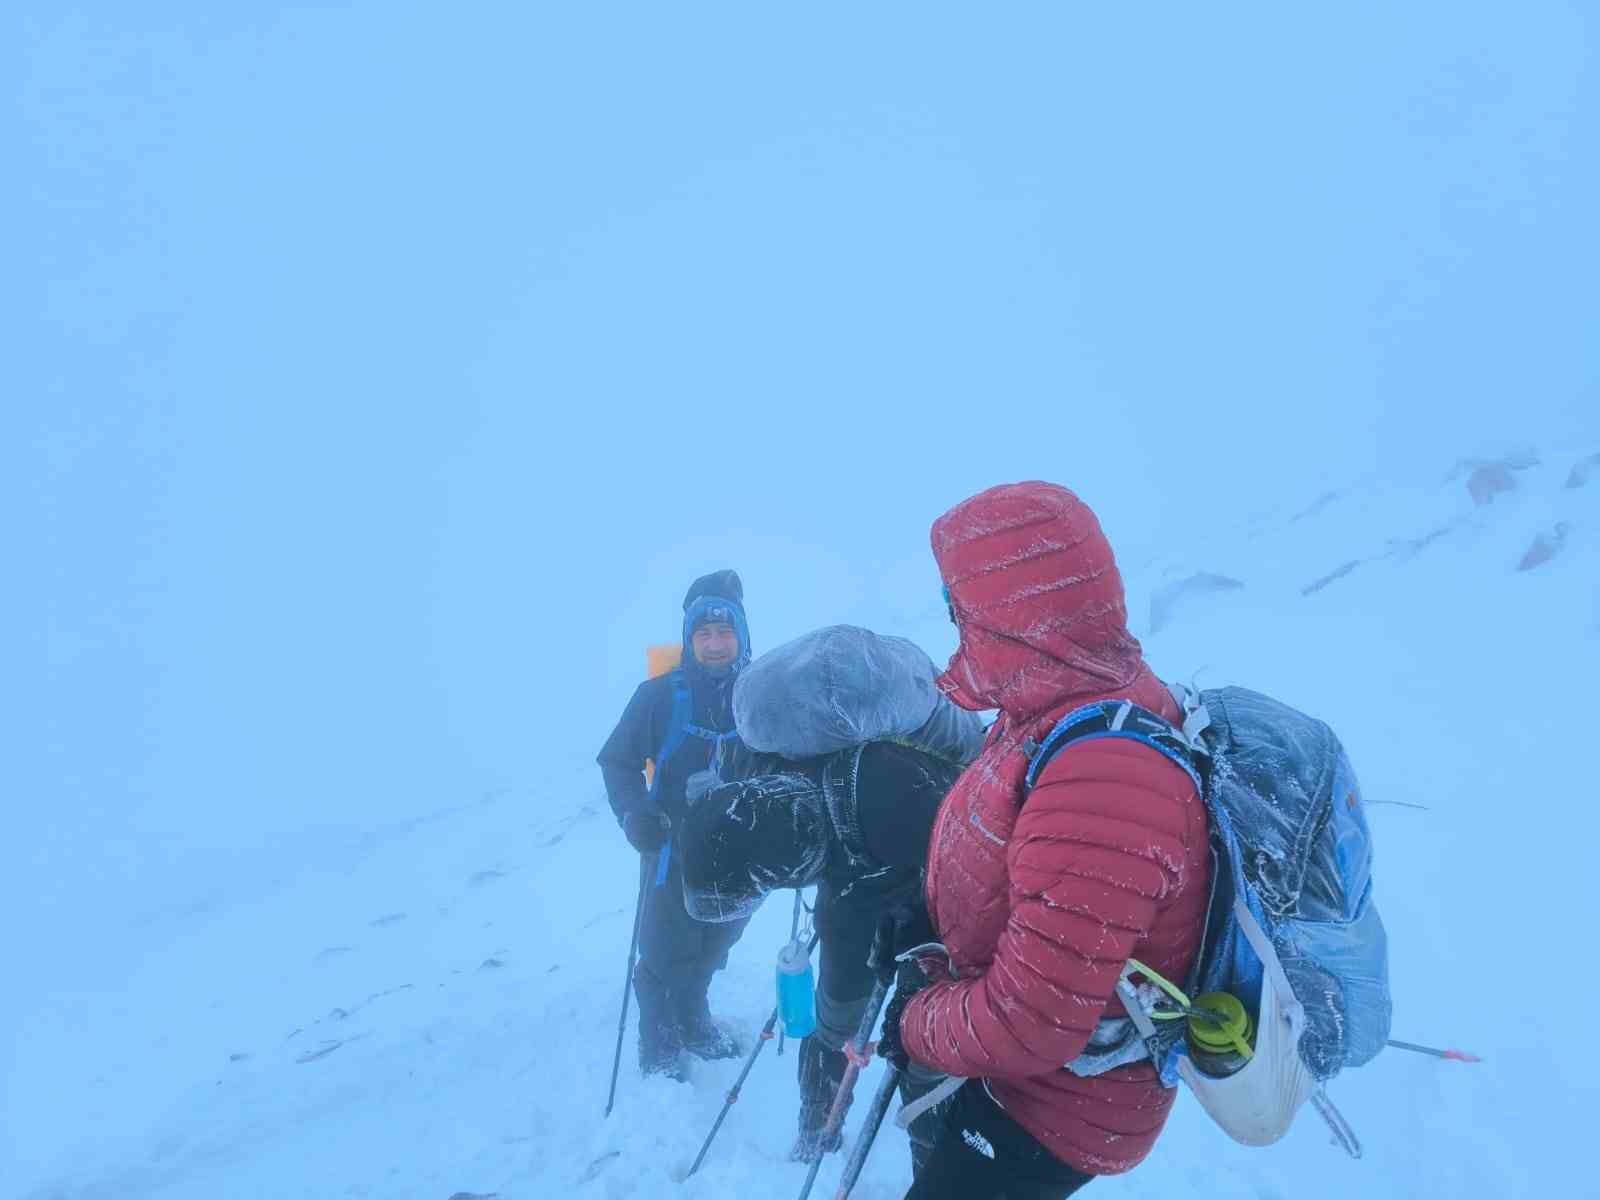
(432, 1011)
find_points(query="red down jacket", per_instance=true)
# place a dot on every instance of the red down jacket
(1041, 905)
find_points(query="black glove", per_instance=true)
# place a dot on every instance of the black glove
(898, 931)
(646, 830)
(908, 982)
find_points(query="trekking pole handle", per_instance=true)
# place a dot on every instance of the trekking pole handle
(869, 1019)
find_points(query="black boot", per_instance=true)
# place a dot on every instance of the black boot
(661, 1054)
(821, 1071)
(702, 1036)
(660, 1037)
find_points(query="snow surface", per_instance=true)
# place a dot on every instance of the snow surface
(430, 1011)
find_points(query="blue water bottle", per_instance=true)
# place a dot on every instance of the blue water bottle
(797, 1002)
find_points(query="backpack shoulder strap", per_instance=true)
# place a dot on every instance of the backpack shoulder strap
(678, 726)
(841, 772)
(1113, 719)
(681, 726)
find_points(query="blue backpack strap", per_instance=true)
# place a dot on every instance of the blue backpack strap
(678, 727)
(1112, 719)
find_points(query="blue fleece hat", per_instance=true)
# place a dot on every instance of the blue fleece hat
(718, 597)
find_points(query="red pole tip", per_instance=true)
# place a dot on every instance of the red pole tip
(1461, 1056)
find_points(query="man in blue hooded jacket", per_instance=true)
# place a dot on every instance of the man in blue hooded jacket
(678, 721)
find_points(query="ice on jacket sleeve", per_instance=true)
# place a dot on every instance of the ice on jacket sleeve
(1090, 861)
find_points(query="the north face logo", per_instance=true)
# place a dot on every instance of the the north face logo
(978, 1142)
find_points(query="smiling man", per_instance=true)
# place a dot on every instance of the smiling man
(677, 722)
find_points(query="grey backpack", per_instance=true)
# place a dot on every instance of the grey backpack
(1292, 930)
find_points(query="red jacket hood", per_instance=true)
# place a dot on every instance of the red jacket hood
(1038, 602)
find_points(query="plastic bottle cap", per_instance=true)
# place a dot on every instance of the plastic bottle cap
(1231, 1032)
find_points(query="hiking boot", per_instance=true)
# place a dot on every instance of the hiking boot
(660, 1053)
(660, 1032)
(660, 1041)
(710, 1041)
(821, 1070)
(702, 1036)
(811, 1145)
(668, 1066)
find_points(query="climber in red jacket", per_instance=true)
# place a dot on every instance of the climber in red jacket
(1040, 904)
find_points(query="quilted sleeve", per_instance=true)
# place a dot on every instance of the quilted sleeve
(1095, 851)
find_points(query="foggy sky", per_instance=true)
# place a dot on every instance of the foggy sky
(389, 370)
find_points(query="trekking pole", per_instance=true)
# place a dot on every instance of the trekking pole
(794, 932)
(869, 1131)
(847, 1085)
(1344, 1137)
(733, 1092)
(627, 988)
(1452, 1055)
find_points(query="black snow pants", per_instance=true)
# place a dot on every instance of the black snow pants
(677, 957)
(980, 1153)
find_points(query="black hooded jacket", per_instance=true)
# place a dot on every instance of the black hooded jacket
(856, 821)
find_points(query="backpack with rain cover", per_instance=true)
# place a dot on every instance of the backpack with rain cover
(843, 686)
(1291, 931)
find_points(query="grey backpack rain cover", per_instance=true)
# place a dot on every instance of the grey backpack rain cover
(843, 686)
